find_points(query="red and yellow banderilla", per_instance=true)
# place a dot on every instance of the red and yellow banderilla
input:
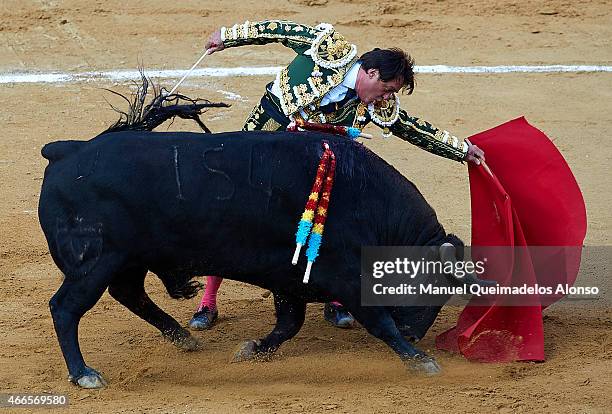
(312, 223)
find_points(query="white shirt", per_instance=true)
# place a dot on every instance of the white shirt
(339, 92)
(336, 94)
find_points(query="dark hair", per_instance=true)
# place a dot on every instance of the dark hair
(391, 64)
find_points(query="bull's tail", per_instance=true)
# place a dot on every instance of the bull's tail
(59, 149)
(141, 117)
(180, 285)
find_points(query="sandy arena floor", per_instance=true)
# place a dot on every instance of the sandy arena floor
(323, 369)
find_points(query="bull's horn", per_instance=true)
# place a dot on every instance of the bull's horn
(471, 279)
(447, 253)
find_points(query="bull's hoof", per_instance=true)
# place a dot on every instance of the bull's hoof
(90, 378)
(187, 343)
(247, 351)
(423, 364)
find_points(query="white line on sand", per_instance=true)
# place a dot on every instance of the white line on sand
(126, 75)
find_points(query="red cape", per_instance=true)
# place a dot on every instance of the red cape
(532, 199)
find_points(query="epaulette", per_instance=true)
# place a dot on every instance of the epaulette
(385, 113)
(330, 49)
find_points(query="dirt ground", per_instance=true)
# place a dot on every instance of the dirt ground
(323, 369)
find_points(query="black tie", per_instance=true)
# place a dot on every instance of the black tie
(334, 106)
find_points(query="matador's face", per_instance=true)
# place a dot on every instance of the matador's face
(370, 88)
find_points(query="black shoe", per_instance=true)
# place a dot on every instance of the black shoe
(203, 319)
(338, 316)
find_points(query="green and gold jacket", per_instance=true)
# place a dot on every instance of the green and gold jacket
(323, 58)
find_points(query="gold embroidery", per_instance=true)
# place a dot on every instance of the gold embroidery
(294, 38)
(342, 114)
(317, 82)
(336, 78)
(238, 33)
(331, 82)
(330, 49)
(260, 121)
(385, 109)
(253, 119)
(227, 35)
(360, 119)
(406, 121)
(271, 125)
(385, 113)
(332, 44)
(300, 92)
(302, 95)
(256, 112)
(337, 49)
(287, 104)
(427, 137)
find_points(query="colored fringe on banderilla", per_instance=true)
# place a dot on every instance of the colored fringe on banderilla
(312, 224)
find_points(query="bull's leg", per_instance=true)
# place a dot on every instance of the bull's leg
(76, 296)
(379, 323)
(290, 314)
(414, 321)
(128, 289)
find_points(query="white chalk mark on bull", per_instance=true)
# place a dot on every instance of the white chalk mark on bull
(263, 167)
(92, 168)
(256, 174)
(177, 175)
(215, 171)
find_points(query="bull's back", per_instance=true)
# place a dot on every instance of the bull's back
(163, 194)
(180, 197)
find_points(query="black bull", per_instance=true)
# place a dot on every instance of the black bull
(187, 204)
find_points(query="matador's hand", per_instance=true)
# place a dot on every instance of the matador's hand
(475, 154)
(214, 43)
